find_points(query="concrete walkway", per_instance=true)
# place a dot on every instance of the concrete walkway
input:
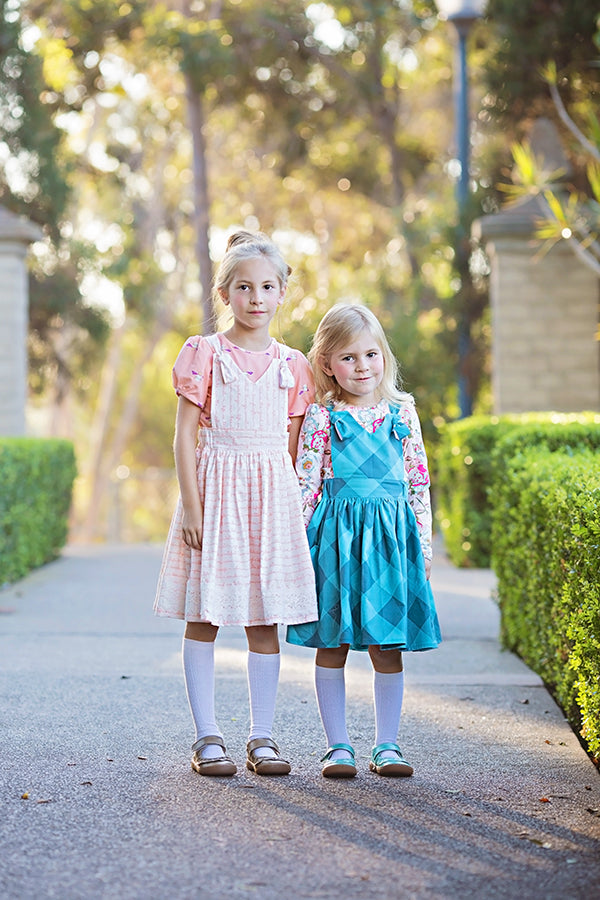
(98, 799)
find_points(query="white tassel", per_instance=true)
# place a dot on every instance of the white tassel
(286, 379)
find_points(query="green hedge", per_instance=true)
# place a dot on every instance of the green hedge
(36, 483)
(471, 454)
(546, 552)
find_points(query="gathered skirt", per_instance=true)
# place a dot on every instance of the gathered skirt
(370, 575)
(254, 567)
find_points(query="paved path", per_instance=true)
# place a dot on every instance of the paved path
(95, 734)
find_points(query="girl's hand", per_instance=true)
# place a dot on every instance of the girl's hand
(428, 568)
(191, 527)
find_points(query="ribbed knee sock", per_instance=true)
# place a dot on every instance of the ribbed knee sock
(263, 680)
(199, 673)
(330, 687)
(388, 693)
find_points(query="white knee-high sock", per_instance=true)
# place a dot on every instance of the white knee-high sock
(199, 673)
(263, 681)
(330, 686)
(388, 693)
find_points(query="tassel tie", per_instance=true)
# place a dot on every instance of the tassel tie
(286, 379)
(229, 372)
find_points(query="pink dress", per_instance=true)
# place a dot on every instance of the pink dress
(254, 567)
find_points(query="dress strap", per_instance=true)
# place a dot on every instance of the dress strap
(229, 372)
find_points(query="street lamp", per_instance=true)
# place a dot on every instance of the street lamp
(462, 14)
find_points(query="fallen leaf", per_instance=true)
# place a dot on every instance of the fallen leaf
(593, 811)
(71, 764)
(544, 800)
(49, 800)
(142, 757)
(524, 702)
(85, 782)
(548, 742)
(25, 796)
(109, 759)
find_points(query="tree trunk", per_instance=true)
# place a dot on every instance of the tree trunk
(201, 204)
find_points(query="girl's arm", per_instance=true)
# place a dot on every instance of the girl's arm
(314, 457)
(294, 434)
(186, 437)
(415, 460)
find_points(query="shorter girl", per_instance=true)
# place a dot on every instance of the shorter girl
(237, 553)
(365, 488)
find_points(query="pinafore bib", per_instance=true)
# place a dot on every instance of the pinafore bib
(254, 567)
(371, 582)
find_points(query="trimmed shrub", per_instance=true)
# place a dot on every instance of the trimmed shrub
(546, 554)
(36, 483)
(471, 455)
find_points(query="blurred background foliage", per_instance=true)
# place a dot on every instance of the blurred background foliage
(139, 134)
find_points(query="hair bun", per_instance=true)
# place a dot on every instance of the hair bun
(239, 237)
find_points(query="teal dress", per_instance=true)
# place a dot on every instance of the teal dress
(365, 547)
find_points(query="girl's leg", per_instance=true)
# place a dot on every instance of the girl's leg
(330, 686)
(199, 673)
(388, 692)
(263, 680)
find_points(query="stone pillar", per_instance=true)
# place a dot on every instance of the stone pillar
(15, 236)
(545, 351)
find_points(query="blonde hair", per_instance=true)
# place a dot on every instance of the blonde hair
(339, 326)
(244, 245)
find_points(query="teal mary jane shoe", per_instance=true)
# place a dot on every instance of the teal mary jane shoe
(386, 759)
(339, 768)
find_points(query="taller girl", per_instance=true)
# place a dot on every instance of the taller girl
(237, 552)
(365, 487)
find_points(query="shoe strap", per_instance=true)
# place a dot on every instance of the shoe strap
(208, 739)
(261, 742)
(333, 747)
(380, 749)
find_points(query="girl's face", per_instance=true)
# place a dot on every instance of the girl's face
(254, 293)
(358, 369)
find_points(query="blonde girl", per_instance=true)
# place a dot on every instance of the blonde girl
(365, 487)
(237, 553)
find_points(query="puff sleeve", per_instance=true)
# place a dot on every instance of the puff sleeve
(302, 394)
(192, 372)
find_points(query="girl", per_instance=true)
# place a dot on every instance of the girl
(365, 488)
(237, 552)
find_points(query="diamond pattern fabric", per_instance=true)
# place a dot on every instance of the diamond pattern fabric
(365, 548)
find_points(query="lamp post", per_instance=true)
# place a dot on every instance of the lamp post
(462, 14)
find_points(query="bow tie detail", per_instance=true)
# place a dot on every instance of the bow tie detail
(399, 429)
(228, 369)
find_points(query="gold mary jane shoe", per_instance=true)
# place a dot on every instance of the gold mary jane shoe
(266, 765)
(220, 765)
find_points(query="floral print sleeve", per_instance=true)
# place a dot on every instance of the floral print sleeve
(313, 463)
(417, 473)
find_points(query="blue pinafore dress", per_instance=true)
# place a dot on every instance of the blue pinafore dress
(370, 572)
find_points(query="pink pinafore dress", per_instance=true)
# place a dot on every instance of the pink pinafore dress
(254, 567)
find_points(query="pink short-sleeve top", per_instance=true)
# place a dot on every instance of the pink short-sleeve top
(192, 372)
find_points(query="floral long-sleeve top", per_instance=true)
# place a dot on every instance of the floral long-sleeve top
(313, 463)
